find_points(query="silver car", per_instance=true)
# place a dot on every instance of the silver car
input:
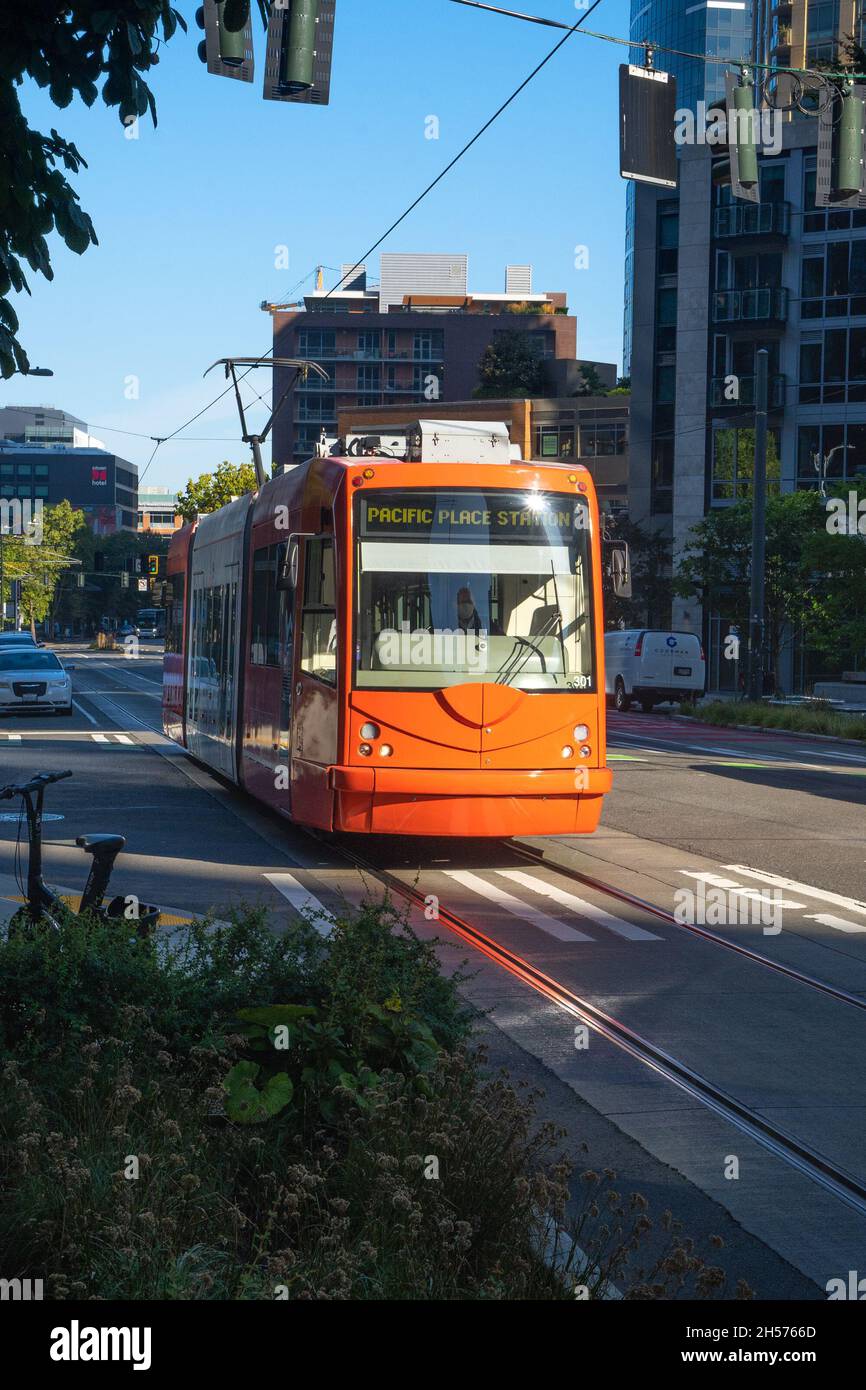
(33, 679)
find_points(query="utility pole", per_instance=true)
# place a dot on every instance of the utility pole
(759, 530)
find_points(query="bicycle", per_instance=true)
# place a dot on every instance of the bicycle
(43, 904)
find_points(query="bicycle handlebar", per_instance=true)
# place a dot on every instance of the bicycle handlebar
(41, 779)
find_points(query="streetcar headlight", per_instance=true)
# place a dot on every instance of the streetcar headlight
(373, 731)
(586, 751)
(364, 749)
(386, 750)
(580, 732)
(568, 751)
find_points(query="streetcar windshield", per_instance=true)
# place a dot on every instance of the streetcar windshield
(464, 586)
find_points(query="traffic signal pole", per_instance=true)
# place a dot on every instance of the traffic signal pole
(759, 531)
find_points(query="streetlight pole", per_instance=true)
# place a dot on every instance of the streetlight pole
(759, 531)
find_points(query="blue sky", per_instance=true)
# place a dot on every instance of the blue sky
(189, 215)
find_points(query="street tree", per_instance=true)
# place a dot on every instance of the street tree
(510, 367)
(40, 566)
(592, 384)
(72, 48)
(210, 491)
(815, 578)
(650, 560)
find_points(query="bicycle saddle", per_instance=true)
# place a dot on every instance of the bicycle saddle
(101, 844)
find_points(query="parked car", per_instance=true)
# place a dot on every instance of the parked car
(33, 679)
(18, 639)
(128, 630)
(651, 666)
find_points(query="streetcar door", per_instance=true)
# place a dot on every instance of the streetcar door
(315, 705)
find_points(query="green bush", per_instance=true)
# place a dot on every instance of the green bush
(801, 719)
(233, 1114)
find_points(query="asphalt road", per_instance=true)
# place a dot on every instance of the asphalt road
(692, 808)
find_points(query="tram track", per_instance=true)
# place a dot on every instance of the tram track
(621, 895)
(794, 1152)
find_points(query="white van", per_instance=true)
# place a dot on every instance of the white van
(649, 666)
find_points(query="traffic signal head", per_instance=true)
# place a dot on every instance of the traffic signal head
(153, 565)
(227, 46)
(839, 181)
(299, 51)
(743, 128)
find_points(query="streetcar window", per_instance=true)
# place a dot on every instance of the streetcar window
(211, 664)
(319, 617)
(267, 606)
(174, 613)
(464, 586)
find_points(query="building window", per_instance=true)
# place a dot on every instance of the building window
(665, 385)
(554, 441)
(428, 345)
(836, 452)
(733, 463)
(369, 344)
(316, 342)
(370, 377)
(668, 237)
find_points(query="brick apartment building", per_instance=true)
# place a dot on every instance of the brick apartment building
(414, 340)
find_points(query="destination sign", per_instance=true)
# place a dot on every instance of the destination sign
(499, 516)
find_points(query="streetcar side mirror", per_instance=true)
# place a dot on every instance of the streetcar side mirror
(619, 568)
(287, 580)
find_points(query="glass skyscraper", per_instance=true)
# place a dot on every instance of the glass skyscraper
(717, 28)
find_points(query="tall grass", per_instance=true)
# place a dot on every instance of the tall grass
(799, 719)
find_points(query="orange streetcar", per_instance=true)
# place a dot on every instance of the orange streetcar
(401, 638)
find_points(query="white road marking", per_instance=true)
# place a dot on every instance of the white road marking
(303, 901)
(745, 754)
(731, 886)
(711, 880)
(837, 923)
(778, 881)
(99, 738)
(123, 738)
(516, 907)
(82, 710)
(579, 905)
(14, 738)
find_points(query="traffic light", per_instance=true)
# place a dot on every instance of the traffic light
(153, 565)
(227, 46)
(839, 180)
(743, 122)
(299, 51)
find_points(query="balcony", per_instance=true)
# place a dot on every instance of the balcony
(720, 385)
(750, 306)
(752, 219)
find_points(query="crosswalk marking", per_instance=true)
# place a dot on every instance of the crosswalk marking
(99, 738)
(118, 738)
(14, 738)
(302, 901)
(617, 925)
(731, 886)
(551, 925)
(123, 738)
(827, 919)
(779, 881)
